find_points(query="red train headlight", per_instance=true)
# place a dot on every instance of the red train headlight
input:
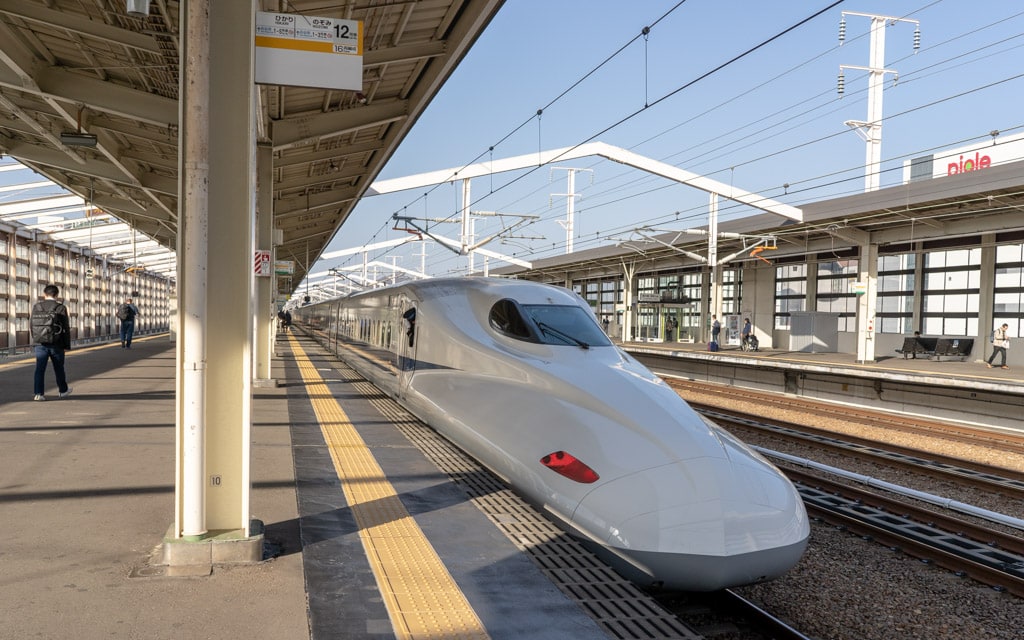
(569, 466)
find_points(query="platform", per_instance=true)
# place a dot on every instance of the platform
(87, 495)
(86, 491)
(964, 391)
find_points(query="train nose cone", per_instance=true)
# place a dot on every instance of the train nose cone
(701, 524)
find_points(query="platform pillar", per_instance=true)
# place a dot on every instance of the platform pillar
(215, 254)
(264, 318)
(868, 276)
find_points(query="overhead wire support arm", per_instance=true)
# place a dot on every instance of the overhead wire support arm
(463, 248)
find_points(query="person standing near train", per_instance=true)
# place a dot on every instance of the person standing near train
(51, 333)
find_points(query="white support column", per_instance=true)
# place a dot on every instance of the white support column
(466, 234)
(214, 409)
(190, 485)
(868, 264)
(264, 317)
(628, 320)
(871, 129)
(917, 319)
(231, 245)
(714, 269)
(873, 126)
(987, 295)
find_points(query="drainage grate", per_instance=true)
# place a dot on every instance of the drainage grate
(621, 608)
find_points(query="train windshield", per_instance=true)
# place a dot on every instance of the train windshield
(566, 324)
(547, 324)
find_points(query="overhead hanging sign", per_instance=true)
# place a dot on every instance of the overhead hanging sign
(306, 51)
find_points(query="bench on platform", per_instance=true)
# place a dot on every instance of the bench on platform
(917, 345)
(936, 347)
(953, 348)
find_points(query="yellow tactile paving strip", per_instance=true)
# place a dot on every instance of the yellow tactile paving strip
(422, 599)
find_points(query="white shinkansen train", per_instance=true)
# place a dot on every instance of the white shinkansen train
(520, 376)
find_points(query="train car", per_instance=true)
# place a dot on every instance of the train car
(521, 376)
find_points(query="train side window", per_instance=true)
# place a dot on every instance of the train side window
(506, 317)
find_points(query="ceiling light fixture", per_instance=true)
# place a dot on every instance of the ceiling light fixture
(72, 139)
(78, 138)
(138, 8)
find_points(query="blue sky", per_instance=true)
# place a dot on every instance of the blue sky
(770, 119)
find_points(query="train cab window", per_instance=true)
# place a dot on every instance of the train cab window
(506, 317)
(566, 324)
(547, 323)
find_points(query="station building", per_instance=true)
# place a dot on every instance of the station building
(943, 256)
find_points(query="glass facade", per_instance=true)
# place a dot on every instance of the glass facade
(732, 291)
(1008, 300)
(834, 291)
(790, 292)
(950, 293)
(894, 307)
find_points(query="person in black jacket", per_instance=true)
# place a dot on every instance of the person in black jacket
(52, 338)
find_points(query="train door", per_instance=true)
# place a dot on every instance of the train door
(406, 345)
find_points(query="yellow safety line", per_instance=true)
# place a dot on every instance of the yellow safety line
(422, 599)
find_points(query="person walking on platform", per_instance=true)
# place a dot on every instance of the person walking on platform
(51, 333)
(126, 313)
(1000, 343)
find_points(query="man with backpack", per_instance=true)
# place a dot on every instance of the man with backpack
(51, 333)
(126, 313)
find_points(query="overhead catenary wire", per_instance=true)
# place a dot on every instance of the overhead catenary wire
(809, 184)
(644, 32)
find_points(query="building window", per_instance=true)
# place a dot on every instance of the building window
(732, 291)
(894, 307)
(602, 295)
(689, 318)
(1008, 299)
(951, 292)
(790, 292)
(834, 293)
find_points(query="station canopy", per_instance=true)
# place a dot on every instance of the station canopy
(89, 100)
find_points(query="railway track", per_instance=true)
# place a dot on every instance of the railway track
(997, 480)
(964, 548)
